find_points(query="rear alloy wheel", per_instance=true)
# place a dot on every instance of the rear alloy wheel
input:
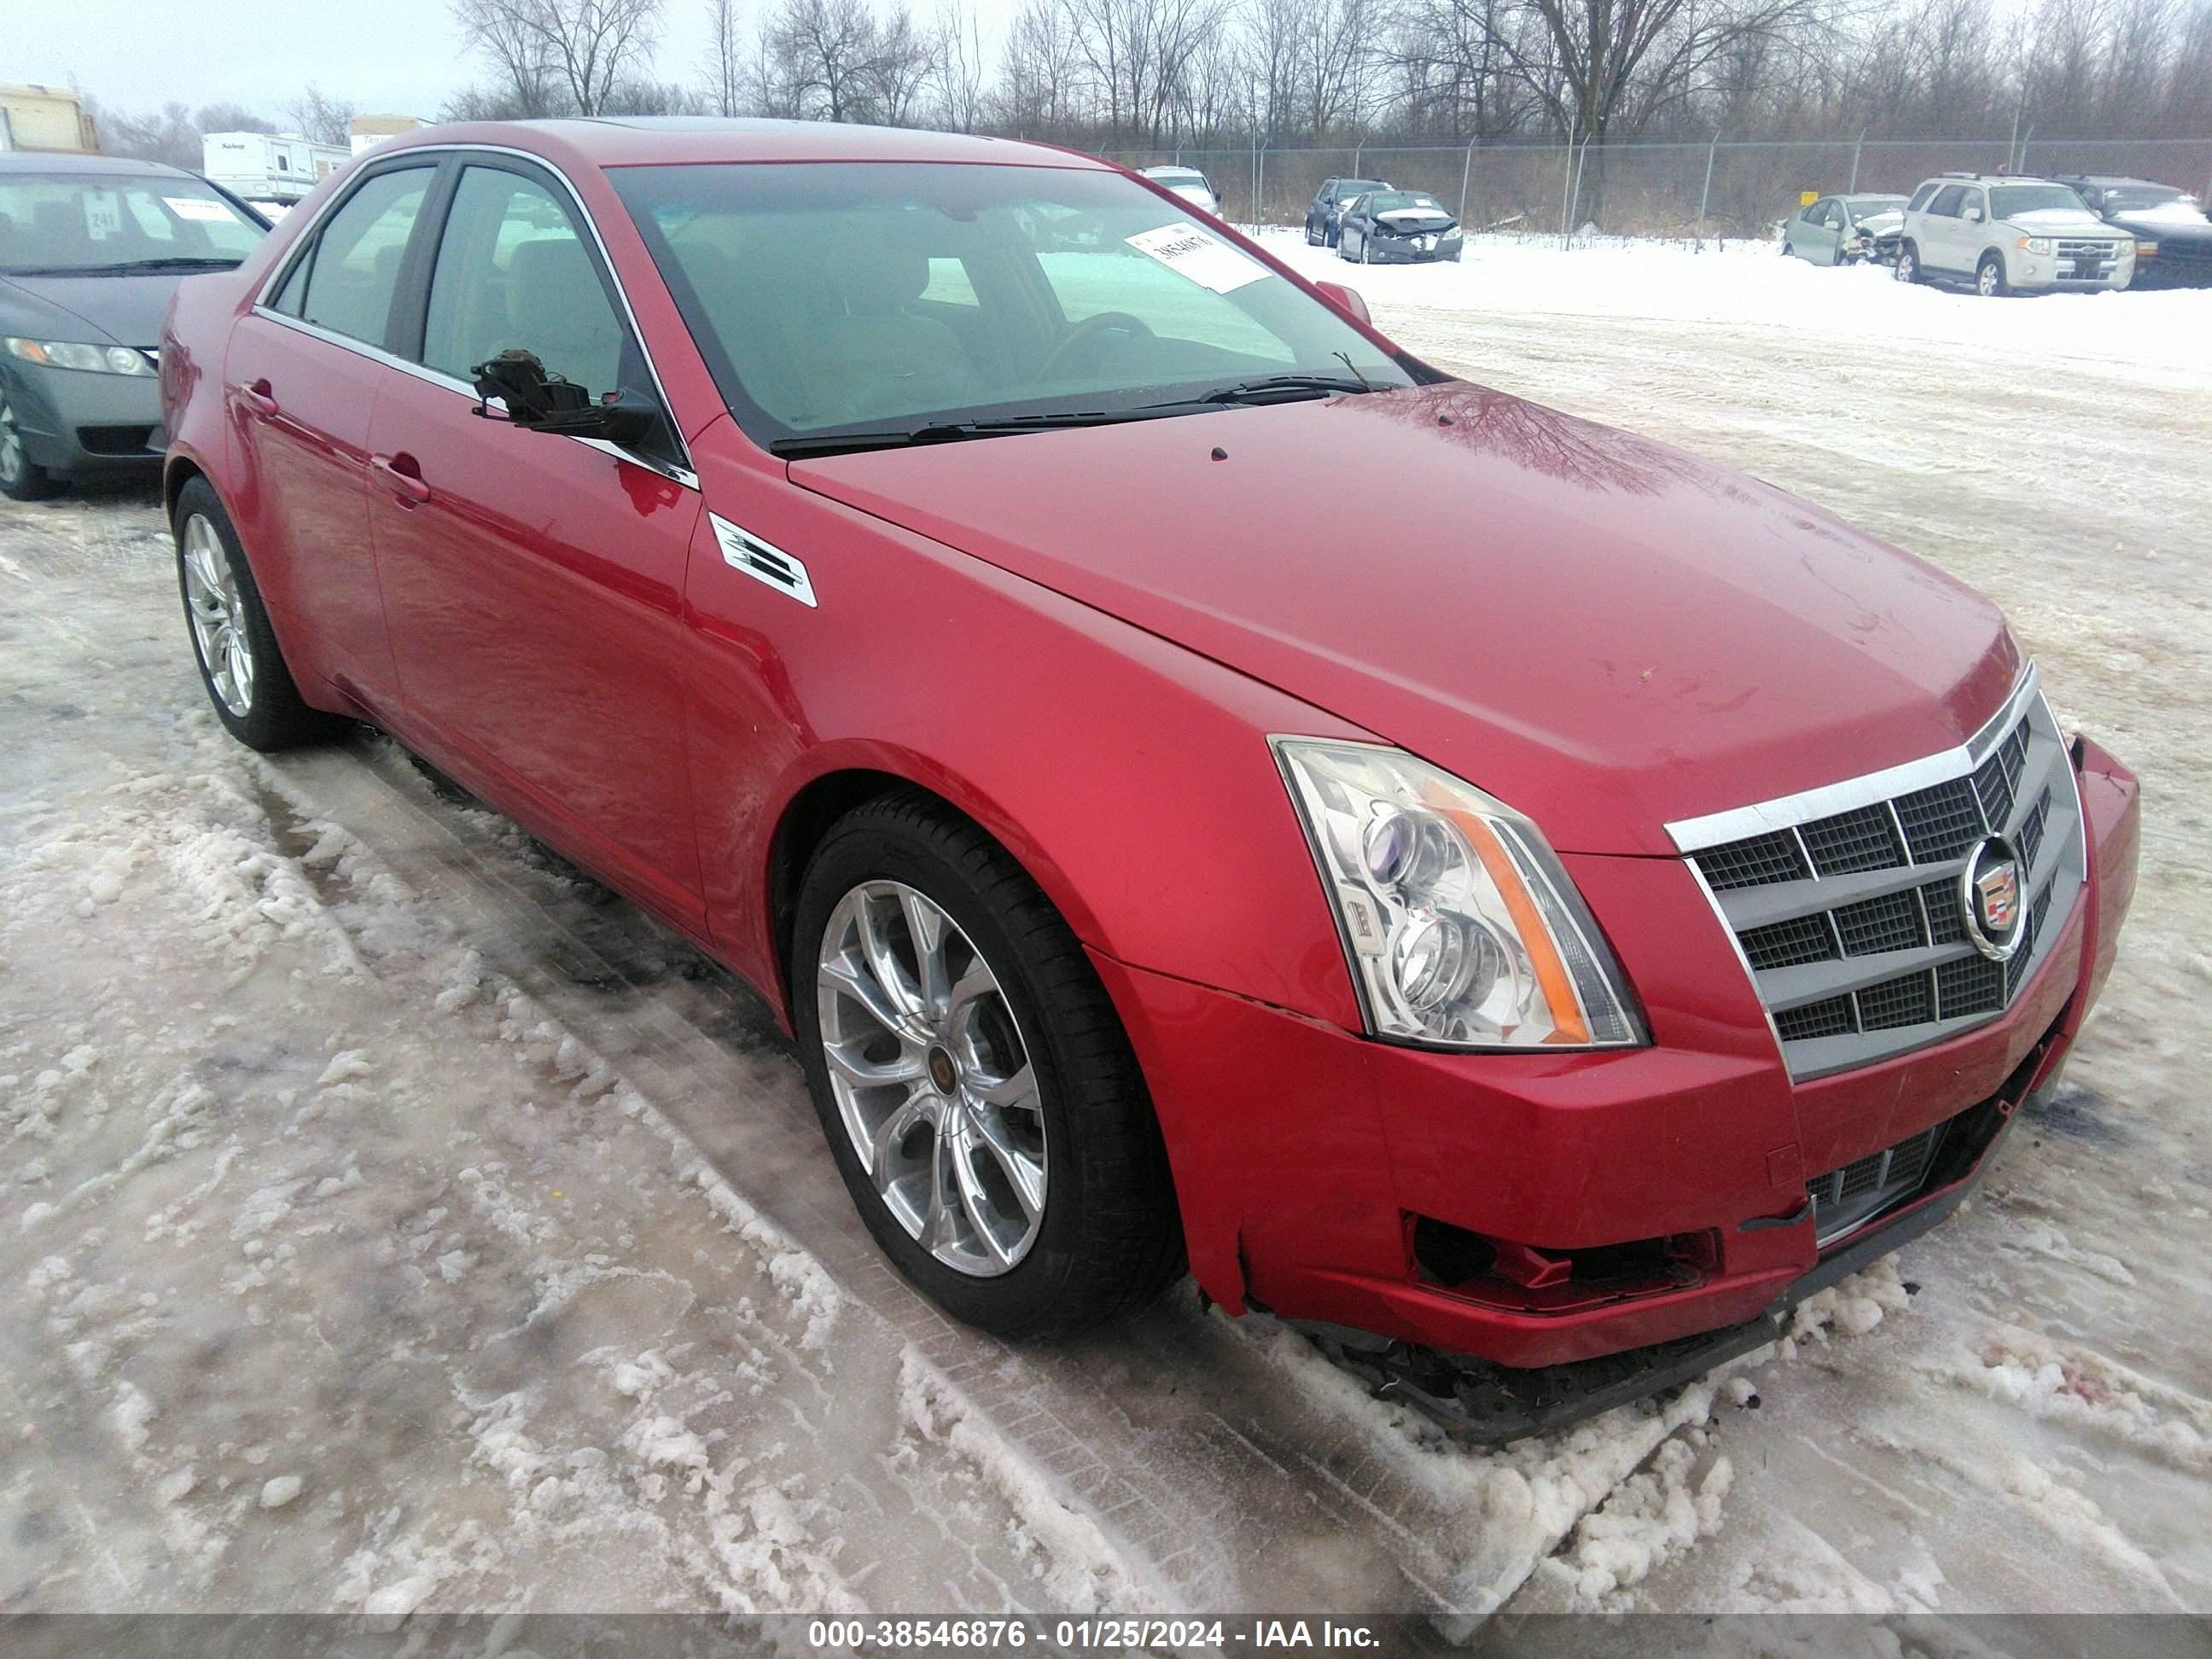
(245, 674)
(1989, 277)
(977, 1091)
(22, 478)
(1908, 263)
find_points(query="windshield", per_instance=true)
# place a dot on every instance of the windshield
(102, 224)
(1393, 201)
(2010, 201)
(894, 296)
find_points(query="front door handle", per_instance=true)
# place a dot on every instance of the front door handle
(401, 473)
(258, 398)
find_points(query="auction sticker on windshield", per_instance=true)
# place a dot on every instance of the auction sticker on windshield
(198, 206)
(1190, 253)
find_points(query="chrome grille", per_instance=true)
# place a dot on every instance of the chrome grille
(1848, 901)
(1845, 1197)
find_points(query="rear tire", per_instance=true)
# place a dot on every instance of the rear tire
(1313, 236)
(246, 680)
(22, 478)
(1907, 269)
(1105, 1236)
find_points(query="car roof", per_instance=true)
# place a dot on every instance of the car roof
(1176, 172)
(645, 141)
(43, 161)
(2113, 179)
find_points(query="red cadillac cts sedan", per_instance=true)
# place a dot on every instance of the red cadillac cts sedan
(1198, 783)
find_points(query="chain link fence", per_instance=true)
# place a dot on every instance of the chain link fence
(1724, 187)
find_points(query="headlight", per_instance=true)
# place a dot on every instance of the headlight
(69, 354)
(1463, 928)
(2035, 244)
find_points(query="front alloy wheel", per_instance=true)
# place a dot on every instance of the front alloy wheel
(933, 1079)
(20, 477)
(1989, 278)
(218, 615)
(980, 1097)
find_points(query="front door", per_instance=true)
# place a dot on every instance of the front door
(535, 582)
(301, 392)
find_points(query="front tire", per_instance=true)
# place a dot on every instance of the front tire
(252, 691)
(1313, 236)
(978, 1093)
(1989, 277)
(22, 478)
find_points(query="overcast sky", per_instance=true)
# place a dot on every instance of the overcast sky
(395, 56)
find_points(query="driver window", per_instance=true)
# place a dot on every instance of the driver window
(512, 271)
(1947, 201)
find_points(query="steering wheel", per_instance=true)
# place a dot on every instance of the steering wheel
(1088, 328)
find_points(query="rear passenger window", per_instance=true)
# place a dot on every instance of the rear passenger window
(354, 268)
(512, 271)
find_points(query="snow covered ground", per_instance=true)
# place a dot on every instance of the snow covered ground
(394, 1220)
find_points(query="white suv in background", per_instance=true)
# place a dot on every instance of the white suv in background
(2001, 234)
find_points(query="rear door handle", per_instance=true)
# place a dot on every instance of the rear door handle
(256, 397)
(402, 474)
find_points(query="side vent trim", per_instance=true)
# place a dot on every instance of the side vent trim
(743, 550)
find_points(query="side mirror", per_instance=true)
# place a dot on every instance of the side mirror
(550, 402)
(1972, 216)
(1345, 300)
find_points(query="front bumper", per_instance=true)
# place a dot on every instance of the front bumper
(2046, 272)
(1380, 253)
(77, 424)
(1309, 1160)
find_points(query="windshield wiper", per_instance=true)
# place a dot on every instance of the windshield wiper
(947, 432)
(128, 267)
(1276, 388)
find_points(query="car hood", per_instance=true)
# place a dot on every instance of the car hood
(1414, 219)
(2178, 228)
(1880, 224)
(122, 310)
(1603, 631)
(2060, 221)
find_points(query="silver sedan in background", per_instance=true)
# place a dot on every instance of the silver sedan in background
(1842, 230)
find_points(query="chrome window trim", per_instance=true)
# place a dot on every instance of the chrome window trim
(1873, 788)
(264, 306)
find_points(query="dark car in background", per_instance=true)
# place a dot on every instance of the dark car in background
(1843, 230)
(1397, 226)
(91, 248)
(1325, 210)
(2173, 238)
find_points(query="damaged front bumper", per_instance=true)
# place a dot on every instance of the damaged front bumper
(1488, 1404)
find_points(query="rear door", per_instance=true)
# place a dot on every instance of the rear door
(300, 383)
(535, 582)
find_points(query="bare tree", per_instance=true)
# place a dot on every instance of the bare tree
(822, 55)
(551, 52)
(167, 136)
(725, 73)
(962, 73)
(905, 64)
(230, 117)
(323, 120)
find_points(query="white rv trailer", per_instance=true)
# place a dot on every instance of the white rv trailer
(264, 166)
